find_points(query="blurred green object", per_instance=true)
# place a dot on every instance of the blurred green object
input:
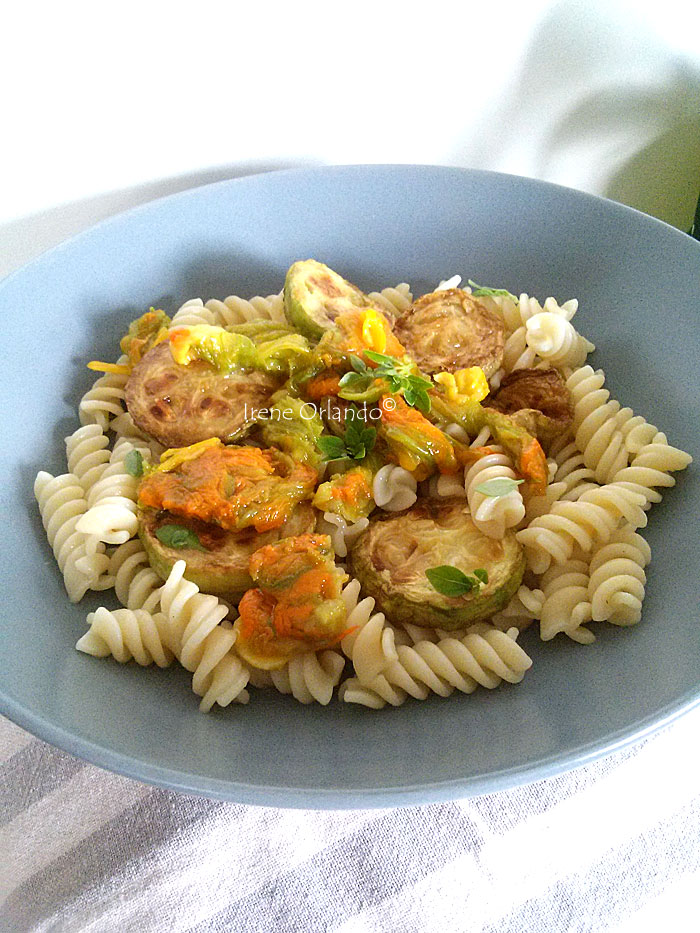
(695, 229)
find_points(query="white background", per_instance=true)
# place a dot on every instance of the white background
(108, 105)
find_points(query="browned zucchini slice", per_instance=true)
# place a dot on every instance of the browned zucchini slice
(180, 405)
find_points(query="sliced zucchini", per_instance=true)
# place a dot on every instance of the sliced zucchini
(391, 558)
(220, 564)
(536, 399)
(450, 330)
(315, 295)
(180, 405)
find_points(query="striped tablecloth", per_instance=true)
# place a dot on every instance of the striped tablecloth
(612, 846)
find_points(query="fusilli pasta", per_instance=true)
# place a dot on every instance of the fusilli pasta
(484, 659)
(137, 586)
(105, 399)
(566, 606)
(493, 514)
(370, 642)
(590, 520)
(595, 424)
(234, 310)
(617, 578)
(125, 634)
(394, 488)
(61, 504)
(87, 450)
(342, 535)
(555, 339)
(309, 677)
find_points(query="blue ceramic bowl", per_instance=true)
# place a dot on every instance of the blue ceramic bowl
(637, 282)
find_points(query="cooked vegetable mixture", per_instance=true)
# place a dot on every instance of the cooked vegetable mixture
(393, 484)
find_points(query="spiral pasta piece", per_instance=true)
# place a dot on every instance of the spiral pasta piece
(88, 454)
(111, 516)
(61, 504)
(137, 586)
(493, 515)
(590, 520)
(202, 641)
(516, 352)
(105, 400)
(115, 480)
(517, 313)
(342, 535)
(525, 607)
(392, 301)
(393, 488)
(310, 677)
(651, 467)
(571, 470)
(597, 435)
(617, 578)
(370, 643)
(125, 634)
(445, 486)
(191, 616)
(221, 676)
(556, 340)
(566, 606)
(485, 659)
(235, 310)
(192, 313)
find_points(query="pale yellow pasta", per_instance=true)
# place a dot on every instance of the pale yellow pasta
(105, 400)
(125, 634)
(485, 659)
(617, 578)
(566, 606)
(62, 503)
(492, 515)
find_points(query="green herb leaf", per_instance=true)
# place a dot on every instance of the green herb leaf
(499, 486)
(358, 364)
(423, 401)
(332, 448)
(351, 380)
(359, 439)
(133, 463)
(381, 358)
(478, 291)
(451, 581)
(176, 536)
(401, 377)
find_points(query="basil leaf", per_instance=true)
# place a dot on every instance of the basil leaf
(133, 463)
(176, 536)
(500, 486)
(450, 581)
(478, 290)
(332, 448)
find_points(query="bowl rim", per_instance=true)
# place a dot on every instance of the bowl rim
(345, 797)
